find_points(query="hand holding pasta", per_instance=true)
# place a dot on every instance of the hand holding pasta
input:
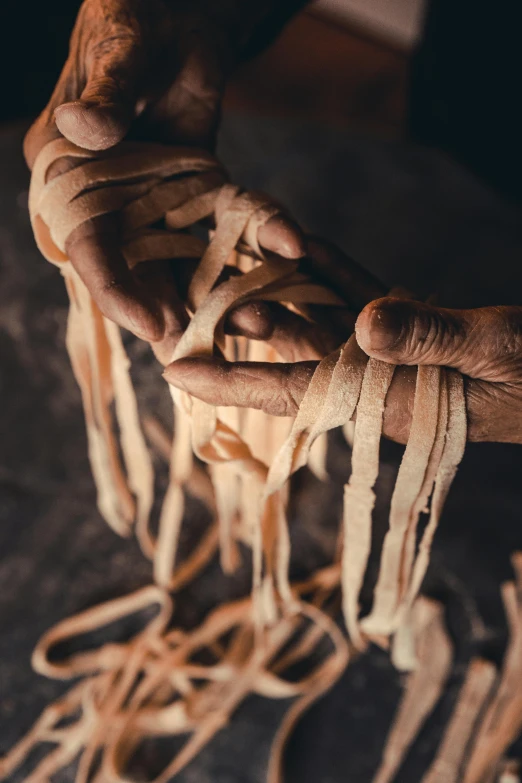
(163, 195)
(162, 62)
(485, 345)
(125, 225)
(153, 71)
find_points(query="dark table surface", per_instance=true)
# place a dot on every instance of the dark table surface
(412, 217)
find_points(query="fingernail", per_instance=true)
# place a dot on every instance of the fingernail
(379, 327)
(147, 324)
(292, 247)
(175, 380)
(253, 320)
(282, 236)
(179, 371)
(92, 126)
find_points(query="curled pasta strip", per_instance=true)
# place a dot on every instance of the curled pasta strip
(145, 687)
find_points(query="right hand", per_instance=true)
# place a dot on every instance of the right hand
(485, 345)
(154, 70)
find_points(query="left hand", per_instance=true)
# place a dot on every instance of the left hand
(484, 344)
(155, 71)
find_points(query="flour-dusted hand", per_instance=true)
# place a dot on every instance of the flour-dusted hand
(484, 344)
(155, 71)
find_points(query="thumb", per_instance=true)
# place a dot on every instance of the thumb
(94, 100)
(407, 332)
(188, 112)
(101, 116)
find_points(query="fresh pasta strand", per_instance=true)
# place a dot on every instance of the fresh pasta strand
(424, 687)
(476, 690)
(503, 719)
(145, 687)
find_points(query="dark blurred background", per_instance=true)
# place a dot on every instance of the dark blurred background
(34, 39)
(447, 71)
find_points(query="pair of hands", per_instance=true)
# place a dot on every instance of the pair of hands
(155, 70)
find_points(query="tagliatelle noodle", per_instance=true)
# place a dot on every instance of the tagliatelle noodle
(404, 510)
(359, 497)
(474, 695)
(144, 688)
(424, 687)
(502, 722)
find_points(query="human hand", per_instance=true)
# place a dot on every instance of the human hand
(166, 62)
(484, 344)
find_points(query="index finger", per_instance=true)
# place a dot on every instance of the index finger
(278, 389)
(328, 264)
(94, 249)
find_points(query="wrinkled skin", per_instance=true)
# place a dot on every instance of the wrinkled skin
(155, 70)
(484, 344)
(152, 70)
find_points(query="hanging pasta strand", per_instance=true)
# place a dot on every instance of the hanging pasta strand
(423, 689)
(476, 690)
(359, 497)
(404, 511)
(503, 720)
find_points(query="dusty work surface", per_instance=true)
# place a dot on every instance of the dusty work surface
(410, 216)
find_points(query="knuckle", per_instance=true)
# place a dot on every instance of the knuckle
(498, 344)
(293, 386)
(494, 411)
(273, 398)
(119, 41)
(278, 403)
(431, 335)
(511, 330)
(267, 397)
(106, 291)
(62, 166)
(112, 52)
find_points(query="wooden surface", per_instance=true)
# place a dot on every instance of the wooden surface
(321, 71)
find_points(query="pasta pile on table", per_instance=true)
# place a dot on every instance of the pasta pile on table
(487, 716)
(146, 687)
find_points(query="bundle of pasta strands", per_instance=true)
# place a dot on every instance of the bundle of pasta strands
(154, 684)
(159, 194)
(486, 719)
(502, 722)
(346, 383)
(143, 182)
(425, 685)
(148, 184)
